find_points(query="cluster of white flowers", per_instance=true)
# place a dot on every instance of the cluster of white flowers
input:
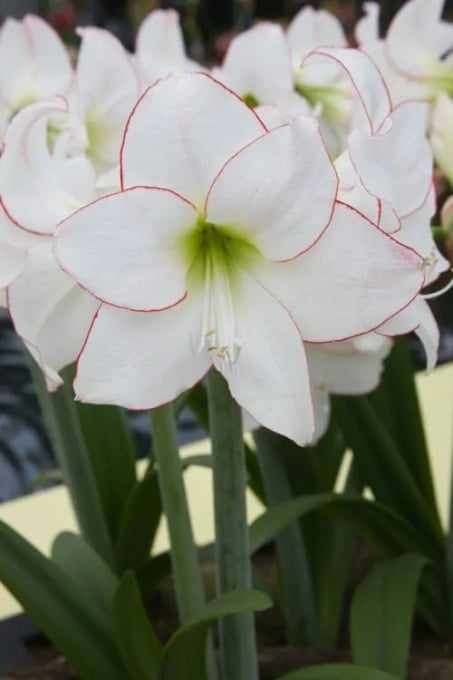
(270, 218)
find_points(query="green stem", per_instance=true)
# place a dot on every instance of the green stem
(298, 595)
(237, 633)
(59, 413)
(186, 568)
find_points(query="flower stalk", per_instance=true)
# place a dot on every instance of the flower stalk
(237, 633)
(185, 565)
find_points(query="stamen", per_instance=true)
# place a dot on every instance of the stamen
(218, 327)
(435, 294)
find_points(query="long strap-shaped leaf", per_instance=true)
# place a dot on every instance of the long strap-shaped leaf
(183, 657)
(382, 614)
(384, 470)
(383, 528)
(111, 449)
(59, 608)
(398, 406)
(72, 455)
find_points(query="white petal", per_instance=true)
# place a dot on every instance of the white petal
(3, 298)
(160, 46)
(41, 62)
(442, 134)
(204, 124)
(367, 28)
(108, 86)
(312, 28)
(270, 377)
(373, 103)
(419, 318)
(50, 313)
(416, 233)
(354, 194)
(141, 360)
(12, 261)
(27, 169)
(267, 188)
(124, 248)
(321, 407)
(258, 63)
(351, 281)
(14, 235)
(346, 370)
(417, 37)
(404, 182)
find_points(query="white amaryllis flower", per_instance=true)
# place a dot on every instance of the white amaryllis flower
(39, 187)
(258, 67)
(225, 248)
(106, 88)
(415, 56)
(441, 134)
(35, 65)
(160, 49)
(397, 195)
(419, 46)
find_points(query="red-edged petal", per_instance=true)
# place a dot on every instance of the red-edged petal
(396, 164)
(27, 169)
(50, 313)
(204, 124)
(270, 377)
(373, 103)
(125, 249)
(351, 281)
(279, 191)
(141, 360)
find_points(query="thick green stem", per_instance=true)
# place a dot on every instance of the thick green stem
(59, 413)
(237, 632)
(185, 564)
(299, 605)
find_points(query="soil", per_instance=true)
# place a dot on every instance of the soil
(274, 662)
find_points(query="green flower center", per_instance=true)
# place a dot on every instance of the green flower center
(215, 255)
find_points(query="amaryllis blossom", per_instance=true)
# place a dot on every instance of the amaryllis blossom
(258, 66)
(397, 195)
(226, 247)
(160, 49)
(35, 65)
(39, 188)
(106, 88)
(263, 65)
(415, 55)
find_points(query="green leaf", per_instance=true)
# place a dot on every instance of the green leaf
(59, 608)
(337, 671)
(197, 460)
(382, 467)
(69, 446)
(385, 529)
(189, 642)
(397, 402)
(81, 563)
(140, 648)
(139, 521)
(112, 454)
(382, 614)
